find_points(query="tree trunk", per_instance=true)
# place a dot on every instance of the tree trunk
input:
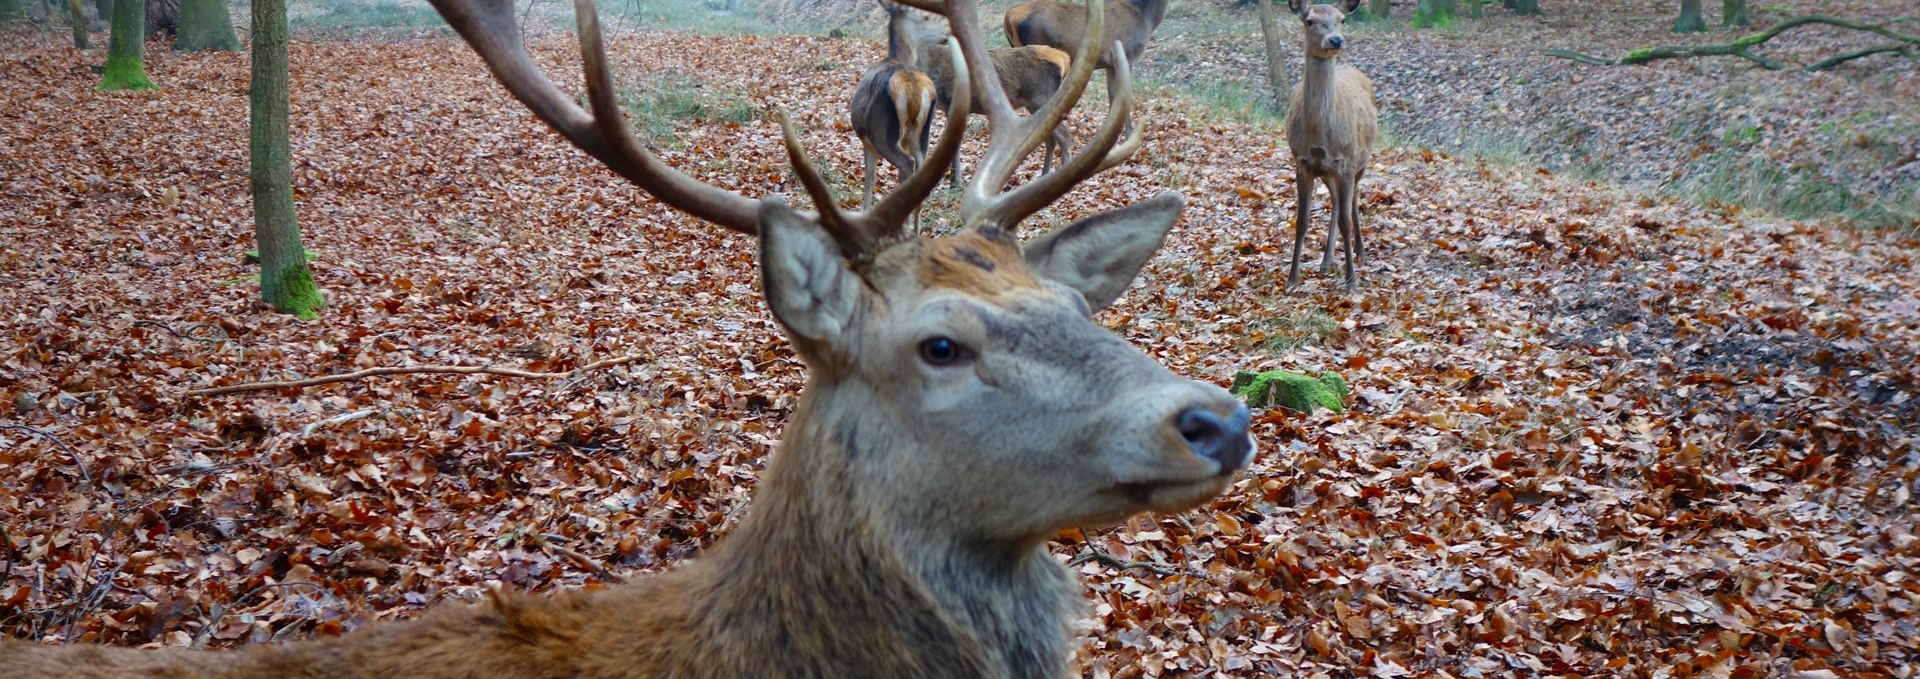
(1734, 13)
(1690, 21)
(1475, 11)
(285, 282)
(77, 15)
(1433, 14)
(1380, 9)
(12, 10)
(205, 25)
(126, 49)
(1276, 64)
(103, 10)
(1524, 7)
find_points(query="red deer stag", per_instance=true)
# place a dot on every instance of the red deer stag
(1330, 129)
(961, 407)
(1062, 25)
(892, 106)
(1028, 75)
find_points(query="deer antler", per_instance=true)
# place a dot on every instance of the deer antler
(1015, 136)
(491, 28)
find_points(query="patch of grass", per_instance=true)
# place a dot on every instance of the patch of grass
(661, 103)
(363, 16)
(718, 17)
(1298, 328)
(1797, 192)
(1487, 145)
(1226, 99)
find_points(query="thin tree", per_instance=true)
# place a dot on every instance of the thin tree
(285, 282)
(1434, 13)
(1734, 13)
(205, 25)
(1276, 64)
(1522, 7)
(127, 49)
(1690, 20)
(1380, 9)
(77, 16)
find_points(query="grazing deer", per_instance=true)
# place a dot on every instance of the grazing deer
(892, 107)
(1028, 75)
(961, 407)
(1330, 129)
(1062, 25)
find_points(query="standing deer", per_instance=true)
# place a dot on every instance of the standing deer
(1062, 25)
(892, 107)
(1028, 75)
(961, 407)
(1330, 129)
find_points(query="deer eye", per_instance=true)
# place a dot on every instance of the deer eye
(943, 351)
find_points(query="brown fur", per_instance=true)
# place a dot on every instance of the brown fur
(890, 110)
(1063, 25)
(975, 265)
(1331, 126)
(1028, 75)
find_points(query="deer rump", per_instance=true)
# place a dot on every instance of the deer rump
(893, 111)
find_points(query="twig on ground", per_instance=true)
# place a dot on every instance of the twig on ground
(1096, 554)
(85, 476)
(541, 542)
(217, 336)
(414, 370)
(219, 611)
(337, 419)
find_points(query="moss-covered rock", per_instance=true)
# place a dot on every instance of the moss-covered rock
(1292, 391)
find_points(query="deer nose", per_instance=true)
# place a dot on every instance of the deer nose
(1336, 42)
(1221, 439)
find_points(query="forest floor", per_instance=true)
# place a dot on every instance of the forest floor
(1595, 430)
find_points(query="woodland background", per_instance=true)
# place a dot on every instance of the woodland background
(1634, 390)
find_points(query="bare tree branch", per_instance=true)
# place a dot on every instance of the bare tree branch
(414, 370)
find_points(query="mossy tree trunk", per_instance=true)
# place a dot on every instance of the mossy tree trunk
(1524, 7)
(1690, 21)
(1380, 9)
(1434, 13)
(127, 49)
(285, 282)
(1474, 10)
(206, 25)
(77, 16)
(1276, 63)
(1734, 13)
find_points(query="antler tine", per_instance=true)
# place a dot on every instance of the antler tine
(1024, 135)
(490, 27)
(851, 237)
(891, 212)
(1009, 208)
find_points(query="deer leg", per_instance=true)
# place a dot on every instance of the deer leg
(1353, 208)
(1302, 192)
(866, 195)
(1333, 222)
(1349, 230)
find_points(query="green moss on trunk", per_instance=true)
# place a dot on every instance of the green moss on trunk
(285, 282)
(205, 25)
(126, 50)
(1293, 391)
(1690, 21)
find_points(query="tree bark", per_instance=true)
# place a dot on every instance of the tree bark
(77, 16)
(1276, 66)
(126, 49)
(205, 25)
(1433, 14)
(12, 10)
(1690, 21)
(1734, 13)
(285, 282)
(1524, 7)
(103, 10)
(1380, 9)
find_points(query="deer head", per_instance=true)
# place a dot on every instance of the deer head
(959, 390)
(1323, 25)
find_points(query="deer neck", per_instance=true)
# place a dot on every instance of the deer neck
(1317, 87)
(887, 578)
(1152, 12)
(901, 49)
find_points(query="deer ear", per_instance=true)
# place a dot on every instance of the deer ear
(807, 281)
(1297, 6)
(1100, 255)
(1349, 6)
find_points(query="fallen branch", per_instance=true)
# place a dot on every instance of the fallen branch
(219, 611)
(217, 336)
(413, 370)
(1743, 46)
(1096, 554)
(600, 570)
(85, 477)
